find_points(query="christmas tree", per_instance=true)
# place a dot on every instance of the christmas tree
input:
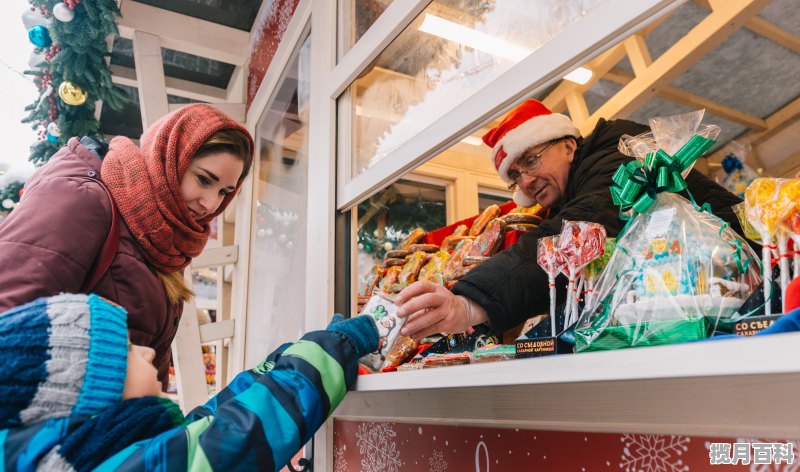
(70, 69)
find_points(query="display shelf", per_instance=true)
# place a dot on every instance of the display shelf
(744, 387)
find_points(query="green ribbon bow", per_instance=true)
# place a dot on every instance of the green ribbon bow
(636, 184)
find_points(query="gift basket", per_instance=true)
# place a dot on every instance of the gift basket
(678, 270)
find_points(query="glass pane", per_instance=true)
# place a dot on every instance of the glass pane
(390, 215)
(277, 287)
(362, 14)
(451, 50)
(486, 200)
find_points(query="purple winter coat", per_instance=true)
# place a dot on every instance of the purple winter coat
(49, 242)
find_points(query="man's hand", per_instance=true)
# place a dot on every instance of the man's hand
(431, 308)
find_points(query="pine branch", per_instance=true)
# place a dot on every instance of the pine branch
(81, 61)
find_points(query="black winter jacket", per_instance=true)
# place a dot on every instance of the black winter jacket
(511, 286)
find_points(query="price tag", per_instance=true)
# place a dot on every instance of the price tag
(659, 222)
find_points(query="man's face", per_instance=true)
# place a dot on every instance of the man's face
(549, 183)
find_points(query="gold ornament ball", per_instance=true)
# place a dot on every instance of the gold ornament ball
(71, 93)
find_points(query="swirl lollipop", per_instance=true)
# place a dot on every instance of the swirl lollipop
(788, 195)
(550, 259)
(580, 242)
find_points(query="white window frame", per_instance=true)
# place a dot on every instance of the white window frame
(598, 30)
(245, 205)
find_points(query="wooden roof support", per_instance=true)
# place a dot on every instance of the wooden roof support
(725, 18)
(177, 87)
(774, 124)
(695, 101)
(150, 77)
(184, 33)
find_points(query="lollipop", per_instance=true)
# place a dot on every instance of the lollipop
(790, 226)
(765, 209)
(548, 256)
(592, 270)
(580, 242)
(788, 195)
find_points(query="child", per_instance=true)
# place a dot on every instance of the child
(76, 395)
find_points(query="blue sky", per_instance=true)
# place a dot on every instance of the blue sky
(16, 91)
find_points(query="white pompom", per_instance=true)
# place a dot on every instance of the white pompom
(33, 18)
(63, 13)
(8, 203)
(53, 129)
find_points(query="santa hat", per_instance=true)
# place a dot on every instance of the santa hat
(528, 125)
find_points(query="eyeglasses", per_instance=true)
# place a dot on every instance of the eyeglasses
(530, 164)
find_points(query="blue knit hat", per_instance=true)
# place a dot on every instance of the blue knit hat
(62, 355)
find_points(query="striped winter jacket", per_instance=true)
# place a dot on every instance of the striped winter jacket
(258, 422)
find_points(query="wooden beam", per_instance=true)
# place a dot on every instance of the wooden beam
(695, 101)
(599, 66)
(638, 54)
(775, 123)
(217, 330)
(709, 33)
(184, 33)
(237, 90)
(150, 81)
(768, 30)
(177, 87)
(237, 111)
(576, 104)
(216, 257)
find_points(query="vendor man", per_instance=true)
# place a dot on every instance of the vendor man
(543, 158)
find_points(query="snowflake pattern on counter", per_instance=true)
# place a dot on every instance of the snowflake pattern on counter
(339, 462)
(376, 444)
(653, 452)
(437, 462)
(794, 467)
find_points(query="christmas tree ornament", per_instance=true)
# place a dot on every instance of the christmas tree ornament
(53, 129)
(39, 36)
(71, 94)
(63, 12)
(35, 59)
(8, 203)
(51, 138)
(387, 246)
(33, 18)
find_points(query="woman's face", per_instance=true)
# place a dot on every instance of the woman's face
(207, 181)
(141, 379)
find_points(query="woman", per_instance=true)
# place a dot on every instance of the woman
(188, 167)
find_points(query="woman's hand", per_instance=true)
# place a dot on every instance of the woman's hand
(432, 308)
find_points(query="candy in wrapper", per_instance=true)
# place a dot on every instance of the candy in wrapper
(411, 268)
(483, 219)
(394, 262)
(397, 254)
(443, 360)
(534, 210)
(495, 353)
(490, 240)
(389, 278)
(456, 259)
(369, 281)
(449, 243)
(413, 238)
(521, 219)
(383, 310)
(461, 230)
(403, 348)
(434, 267)
(423, 248)
(520, 227)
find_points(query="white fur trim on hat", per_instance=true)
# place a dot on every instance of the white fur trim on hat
(535, 131)
(523, 200)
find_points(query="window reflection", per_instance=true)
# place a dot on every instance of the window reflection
(362, 14)
(451, 50)
(390, 215)
(278, 241)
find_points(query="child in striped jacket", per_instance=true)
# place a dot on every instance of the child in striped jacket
(75, 395)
